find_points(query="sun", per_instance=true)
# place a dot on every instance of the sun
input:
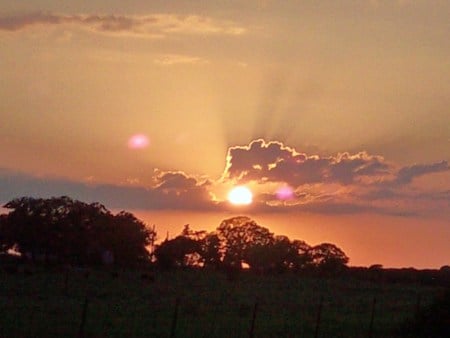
(240, 196)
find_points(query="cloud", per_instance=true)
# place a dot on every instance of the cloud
(172, 190)
(436, 196)
(380, 194)
(274, 162)
(373, 201)
(390, 193)
(341, 184)
(177, 181)
(153, 26)
(339, 208)
(407, 174)
(175, 59)
(327, 205)
(344, 183)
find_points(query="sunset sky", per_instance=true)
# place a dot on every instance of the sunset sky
(335, 114)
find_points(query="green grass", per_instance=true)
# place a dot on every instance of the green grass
(210, 305)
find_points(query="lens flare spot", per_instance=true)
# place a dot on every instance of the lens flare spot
(138, 141)
(285, 193)
(240, 196)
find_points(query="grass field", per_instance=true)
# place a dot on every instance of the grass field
(42, 304)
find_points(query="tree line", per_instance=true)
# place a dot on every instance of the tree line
(240, 242)
(64, 230)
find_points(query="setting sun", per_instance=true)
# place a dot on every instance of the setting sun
(240, 196)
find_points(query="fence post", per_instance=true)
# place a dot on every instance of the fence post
(175, 318)
(372, 317)
(251, 333)
(319, 315)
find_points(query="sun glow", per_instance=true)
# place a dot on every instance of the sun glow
(240, 196)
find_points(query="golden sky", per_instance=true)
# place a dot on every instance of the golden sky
(344, 105)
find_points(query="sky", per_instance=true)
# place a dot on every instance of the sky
(333, 113)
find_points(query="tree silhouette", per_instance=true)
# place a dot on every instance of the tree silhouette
(71, 231)
(237, 235)
(300, 255)
(328, 257)
(279, 255)
(210, 250)
(127, 237)
(175, 252)
(240, 240)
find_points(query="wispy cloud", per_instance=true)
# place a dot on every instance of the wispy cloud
(407, 174)
(152, 26)
(176, 59)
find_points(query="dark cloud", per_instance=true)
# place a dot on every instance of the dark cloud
(14, 23)
(407, 174)
(174, 191)
(379, 194)
(112, 23)
(178, 181)
(342, 184)
(436, 196)
(345, 167)
(392, 194)
(263, 161)
(156, 25)
(275, 162)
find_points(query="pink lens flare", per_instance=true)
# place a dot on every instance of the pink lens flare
(138, 141)
(285, 193)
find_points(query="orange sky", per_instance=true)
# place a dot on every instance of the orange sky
(345, 103)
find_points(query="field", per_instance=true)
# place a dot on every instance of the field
(42, 303)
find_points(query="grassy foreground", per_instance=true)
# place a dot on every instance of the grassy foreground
(51, 303)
